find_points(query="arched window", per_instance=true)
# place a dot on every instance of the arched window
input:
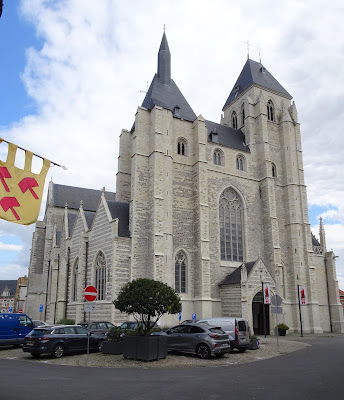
(218, 157)
(240, 163)
(75, 280)
(234, 120)
(243, 115)
(231, 226)
(271, 111)
(273, 170)
(100, 280)
(180, 272)
(181, 147)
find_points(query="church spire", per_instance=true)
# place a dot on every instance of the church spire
(164, 61)
(322, 235)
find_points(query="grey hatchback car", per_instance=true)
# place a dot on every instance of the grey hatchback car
(204, 340)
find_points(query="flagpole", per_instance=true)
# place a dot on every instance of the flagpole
(58, 165)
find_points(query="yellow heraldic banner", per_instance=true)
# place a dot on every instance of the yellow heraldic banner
(20, 189)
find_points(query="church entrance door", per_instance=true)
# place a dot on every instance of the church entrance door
(258, 308)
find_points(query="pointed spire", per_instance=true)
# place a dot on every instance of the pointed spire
(164, 61)
(322, 235)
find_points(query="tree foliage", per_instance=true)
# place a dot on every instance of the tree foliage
(147, 300)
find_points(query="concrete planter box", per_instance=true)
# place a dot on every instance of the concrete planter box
(113, 347)
(145, 348)
(254, 344)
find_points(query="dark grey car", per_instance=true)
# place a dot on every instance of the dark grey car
(60, 339)
(204, 340)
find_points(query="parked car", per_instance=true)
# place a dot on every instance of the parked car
(13, 328)
(37, 323)
(202, 339)
(100, 327)
(237, 328)
(133, 326)
(60, 339)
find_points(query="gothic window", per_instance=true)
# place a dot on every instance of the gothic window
(75, 281)
(240, 163)
(100, 280)
(218, 157)
(234, 120)
(231, 226)
(243, 115)
(271, 111)
(181, 147)
(180, 272)
(273, 170)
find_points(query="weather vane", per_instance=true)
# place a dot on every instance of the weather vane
(145, 91)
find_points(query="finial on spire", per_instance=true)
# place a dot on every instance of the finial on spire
(164, 28)
(248, 48)
(259, 51)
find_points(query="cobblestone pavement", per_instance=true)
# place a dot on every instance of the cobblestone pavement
(268, 349)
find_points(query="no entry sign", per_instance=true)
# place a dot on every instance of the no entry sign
(90, 293)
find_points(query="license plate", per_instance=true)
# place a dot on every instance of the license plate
(29, 344)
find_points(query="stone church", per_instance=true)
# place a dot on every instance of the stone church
(212, 209)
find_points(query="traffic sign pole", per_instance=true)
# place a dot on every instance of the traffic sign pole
(90, 295)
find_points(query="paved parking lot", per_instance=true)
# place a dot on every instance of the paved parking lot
(268, 349)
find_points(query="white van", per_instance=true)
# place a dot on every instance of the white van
(237, 329)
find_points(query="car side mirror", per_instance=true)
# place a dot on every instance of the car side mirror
(168, 331)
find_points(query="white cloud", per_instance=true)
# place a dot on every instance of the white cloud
(10, 247)
(12, 271)
(94, 60)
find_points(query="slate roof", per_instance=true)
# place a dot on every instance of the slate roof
(62, 194)
(235, 276)
(255, 73)
(71, 222)
(227, 136)
(315, 241)
(163, 91)
(89, 216)
(10, 284)
(121, 211)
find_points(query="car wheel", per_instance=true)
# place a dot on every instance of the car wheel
(203, 351)
(100, 345)
(36, 355)
(58, 351)
(242, 349)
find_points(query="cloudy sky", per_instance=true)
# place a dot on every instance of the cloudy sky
(72, 73)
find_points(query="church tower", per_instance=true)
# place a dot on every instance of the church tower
(262, 109)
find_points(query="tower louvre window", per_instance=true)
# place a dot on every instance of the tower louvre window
(218, 157)
(243, 115)
(273, 170)
(231, 226)
(234, 120)
(181, 147)
(240, 163)
(270, 111)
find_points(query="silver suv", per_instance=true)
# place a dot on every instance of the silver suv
(204, 340)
